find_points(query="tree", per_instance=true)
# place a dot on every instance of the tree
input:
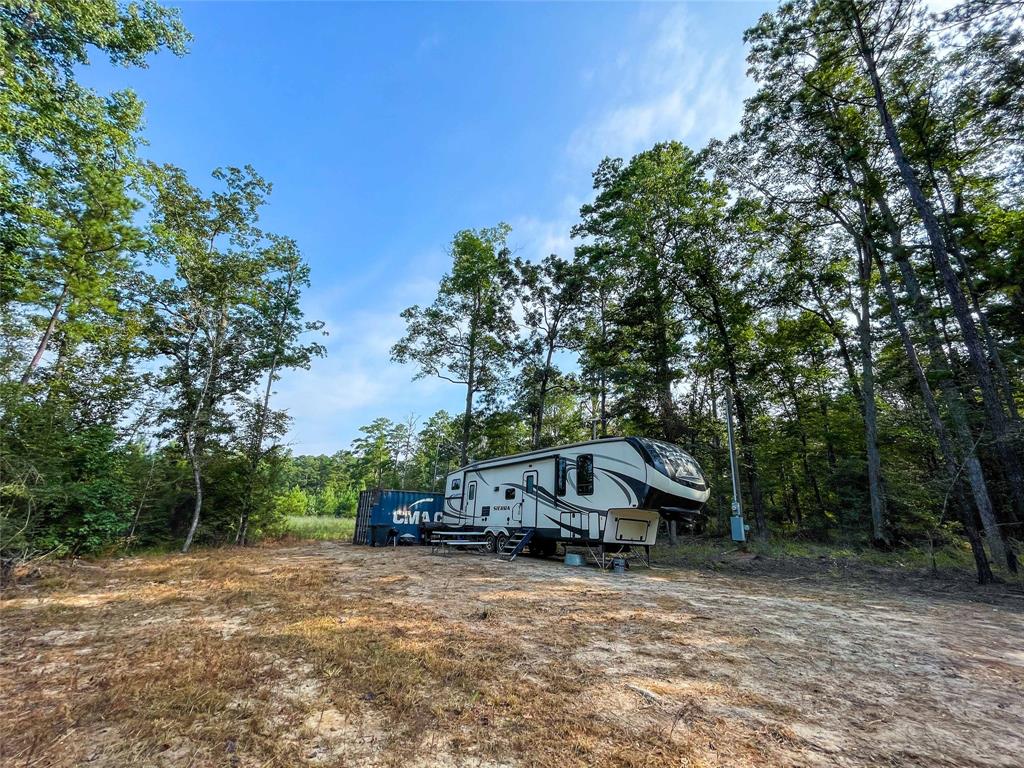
(665, 225)
(68, 161)
(375, 450)
(274, 326)
(884, 30)
(200, 319)
(854, 103)
(466, 335)
(552, 297)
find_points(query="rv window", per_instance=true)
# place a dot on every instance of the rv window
(530, 484)
(560, 476)
(472, 491)
(456, 484)
(585, 474)
(510, 493)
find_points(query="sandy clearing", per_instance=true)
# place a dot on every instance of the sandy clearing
(863, 678)
(700, 668)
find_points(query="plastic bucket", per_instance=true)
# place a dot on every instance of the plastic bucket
(618, 565)
(572, 558)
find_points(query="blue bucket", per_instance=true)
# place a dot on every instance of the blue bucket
(618, 565)
(572, 558)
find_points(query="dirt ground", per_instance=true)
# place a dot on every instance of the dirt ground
(328, 654)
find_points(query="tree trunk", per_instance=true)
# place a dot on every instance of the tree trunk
(990, 397)
(804, 461)
(844, 349)
(876, 492)
(538, 424)
(663, 372)
(1002, 378)
(197, 480)
(604, 373)
(467, 415)
(195, 435)
(743, 420)
(749, 460)
(940, 366)
(830, 447)
(976, 480)
(256, 449)
(47, 335)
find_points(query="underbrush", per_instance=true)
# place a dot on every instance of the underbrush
(319, 528)
(951, 558)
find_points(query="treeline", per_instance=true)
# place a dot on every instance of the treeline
(847, 269)
(144, 320)
(411, 455)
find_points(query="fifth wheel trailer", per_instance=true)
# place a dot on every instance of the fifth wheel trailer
(606, 493)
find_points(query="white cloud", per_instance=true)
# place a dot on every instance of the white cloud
(669, 90)
(534, 238)
(661, 86)
(356, 381)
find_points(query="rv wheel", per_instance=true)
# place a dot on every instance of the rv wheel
(490, 543)
(500, 544)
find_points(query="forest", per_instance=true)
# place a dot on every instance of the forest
(846, 269)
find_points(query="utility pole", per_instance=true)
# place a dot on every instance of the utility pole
(739, 529)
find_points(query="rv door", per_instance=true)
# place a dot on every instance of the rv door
(469, 507)
(530, 499)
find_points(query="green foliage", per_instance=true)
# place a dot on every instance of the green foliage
(66, 487)
(466, 335)
(292, 503)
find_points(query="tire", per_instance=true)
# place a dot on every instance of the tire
(500, 544)
(490, 543)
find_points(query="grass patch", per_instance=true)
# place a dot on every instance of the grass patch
(953, 557)
(320, 528)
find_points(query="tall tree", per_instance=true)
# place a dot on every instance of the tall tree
(199, 317)
(881, 32)
(274, 326)
(552, 297)
(68, 162)
(466, 335)
(686, 254)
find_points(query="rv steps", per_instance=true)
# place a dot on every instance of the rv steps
(515, 544)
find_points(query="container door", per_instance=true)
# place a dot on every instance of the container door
(530, 499)
(470, 506)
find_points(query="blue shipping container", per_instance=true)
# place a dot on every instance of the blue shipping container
(385, 516)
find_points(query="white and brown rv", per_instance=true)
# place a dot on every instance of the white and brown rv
(608, 493)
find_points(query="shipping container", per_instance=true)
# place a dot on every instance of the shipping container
(385, 517)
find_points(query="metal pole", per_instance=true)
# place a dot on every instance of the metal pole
(739, 530)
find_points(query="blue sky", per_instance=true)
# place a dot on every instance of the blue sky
(385, 128)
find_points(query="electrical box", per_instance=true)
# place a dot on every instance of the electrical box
(739, 530)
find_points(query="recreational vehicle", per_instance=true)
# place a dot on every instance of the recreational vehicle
(606, 494)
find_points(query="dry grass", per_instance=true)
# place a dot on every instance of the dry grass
(349, 656)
